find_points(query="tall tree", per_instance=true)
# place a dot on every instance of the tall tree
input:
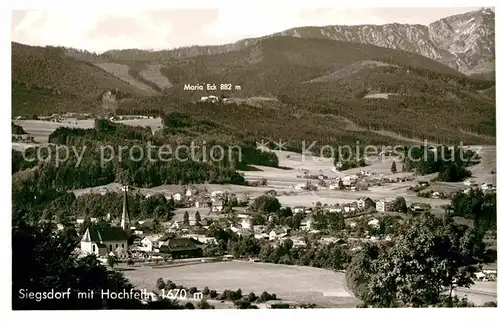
(186, 218)
(111, 260)
(399, 205)
(431, 257)
(394, 169)
(197, 217)
(265, 204)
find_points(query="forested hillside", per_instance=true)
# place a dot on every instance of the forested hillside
(318, 82)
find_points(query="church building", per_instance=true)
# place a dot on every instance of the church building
(102, 241)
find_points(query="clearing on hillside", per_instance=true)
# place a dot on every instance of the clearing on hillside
(349, 70)
(152, 73)
(122, 72)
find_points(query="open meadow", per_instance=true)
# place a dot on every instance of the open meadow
(41, 129)
(294, 283)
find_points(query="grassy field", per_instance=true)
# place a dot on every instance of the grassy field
(154, 123)
(284, 180)
(480, 292)
(304, 284)
(41, 129)
(482, 171)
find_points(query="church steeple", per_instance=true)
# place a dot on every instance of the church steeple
(125, 223)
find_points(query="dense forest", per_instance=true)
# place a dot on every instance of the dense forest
(449, 162)
(118, 153)
(477, 206)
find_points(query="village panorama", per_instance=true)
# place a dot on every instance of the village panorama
(256, 218)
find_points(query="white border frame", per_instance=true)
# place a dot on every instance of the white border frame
(347, 315)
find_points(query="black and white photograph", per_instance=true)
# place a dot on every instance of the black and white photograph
(227, 158)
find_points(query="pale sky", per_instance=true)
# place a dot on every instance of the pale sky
(165, 29)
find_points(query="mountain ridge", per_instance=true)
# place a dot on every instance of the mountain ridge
(476, 55)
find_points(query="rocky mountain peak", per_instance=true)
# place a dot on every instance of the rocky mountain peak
(465, 42)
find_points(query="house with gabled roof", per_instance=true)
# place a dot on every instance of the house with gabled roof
(365, 202)
(299, 209)
(384, 205)
(101, 241)
(180, 247)
(151, 243)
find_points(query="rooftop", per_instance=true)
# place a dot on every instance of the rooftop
(95, 234)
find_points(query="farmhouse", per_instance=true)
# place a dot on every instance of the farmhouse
(298, 242)
(217, 206)
(306, 224)
(216, 193)
(278, 234)
(423, 183)
(202, 203)
(335, 209)
(350, 178)
(420, 207)
(176, 225)
(177, 197)
(300, 186)
(151, 243)
(261, 235)
(350, 207)
(383, 205)
(227, 101)
(299, 209)
(246, 223)
(334, 185)
(201, 238)
(365, 202)
(486, 187)
(334, 240)
(210, 98)
(180, 247)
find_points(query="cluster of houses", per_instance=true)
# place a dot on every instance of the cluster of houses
(179, 240)
(486, 275)
(360, 204)
(471, 185)
(356, 182)
(203, 199)
(114, 240)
